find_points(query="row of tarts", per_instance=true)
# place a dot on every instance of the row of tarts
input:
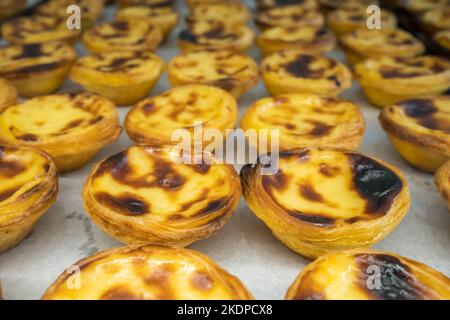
(120, 191)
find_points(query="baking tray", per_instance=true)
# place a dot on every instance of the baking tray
(245, 246)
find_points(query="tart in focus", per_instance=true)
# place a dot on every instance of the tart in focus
(320, 200)
(165, 18)
(387, 80)
(343, 20)
(289, 16)
(350, 275)
(36, 69)
(443, 181)
(154, 120)
(293, 71)
(211, 34)
(149, 273)
(443, 39)
(147, 195)
(232, 71)
(420, 130)
(9, 8)
(8, 94)
(124, 77)
(28, 187)
(364, 43)
(267, 4)
(305, 120)
(72, 128)
(232, 13)
(37, 29)
(307, 39)
(125, 35)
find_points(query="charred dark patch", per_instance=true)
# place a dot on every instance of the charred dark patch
(121, 25)
(301, 67)
(335, 80)
(319, 128)
(30, 51)
(396, 279)
(377, 184)
(309, 193)
(42, 67)
(125, 203)
(148, 108)
(424, 111)
(188, 36)
(277, 181)
(201, 168)
(119, 294)
(116, 165)
(28, 137)
(328, 171)
(10, 169)
(314, 219)
(202, 281)
(166, 177)
(6, 194)
(226, 84)
(212, 207)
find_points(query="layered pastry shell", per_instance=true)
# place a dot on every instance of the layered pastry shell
(231, 71)
(36, 69)
(28, 187)
(151, 195)
(387, 80)
(154, 121)
(326, 200)
(305, 120)
(232, 13)
(72, 128)
(292, 71)
(352, 275)
(362, 44)
(8, 94)
(148, 273)
(123, 35)
(307, 39)
(289, 16)
(124, 77)
(443, 182)
(420, 130)
(212, 34)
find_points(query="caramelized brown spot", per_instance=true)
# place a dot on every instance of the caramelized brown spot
(73, 124)
(309, 193)
(320, 128)
(166, 177)
(148, 108)
(201, 168)
(424, 111)
(119, 294)
(213, 206)
(126, 204)
(121, 25)
(277, 181)
(10, 169)
(159, 280)
(202, 281)
(328, 171)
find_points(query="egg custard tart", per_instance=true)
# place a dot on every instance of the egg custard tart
(343, 20)
(289, 16)
(437, 19)
(420, 130)
(421, 6)
(267, 4)
(9, 8)
(124, 77)
(368, 275)
(36, 69)
(147, 3)
(147, 195)
(443, 181)
(165, 18)
(387, 80)
(308, 120)
(37, 29)
(307, 39)
(364, 43)
(153, 121)
(232, 13)
(320, 200)
(329, 5)
(8, 94)
(72, 128)
(28, 187)
(124, 35)
(91, 10)
(443, 39)
(212, 34)
(293, 71)
(232, 71)
(148, 273)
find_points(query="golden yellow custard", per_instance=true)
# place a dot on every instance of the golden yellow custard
(306, 120)
(368, 275)
(212, 34)
(148, 195)
(124, 77)
(9, 8)
(165, 18)
(343, 20)
(124, 35)
(36, 69)
(387, 80)
(443, 181)
(90, 10)
(420, 130)
(421, 6)
(329, 5)
(363, 43)
(8, 94)
(325, 200)
(443, 39)
(28, 187)
(148, 273)
(289, 16)
(72, 128)
(293, 71)
(267, 4)
(233, 13)
(37, 29)
(232, 71)
(307, 39)
(148, 3)
(436, 20)
(154, 120)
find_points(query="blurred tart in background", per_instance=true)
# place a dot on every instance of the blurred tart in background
(147, 3)
(436, 20)
(443, 182)
(232, 13)
(289, 16)
(443, 39)
(9, 8)
(8, 94)
(330, 5)
(267, 4)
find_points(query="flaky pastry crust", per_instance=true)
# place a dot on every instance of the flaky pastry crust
(8, 94)
(232, 13)
(443, 182)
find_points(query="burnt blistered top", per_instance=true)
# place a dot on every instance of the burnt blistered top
(289, 16)
(19, 61)
(347, 4)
